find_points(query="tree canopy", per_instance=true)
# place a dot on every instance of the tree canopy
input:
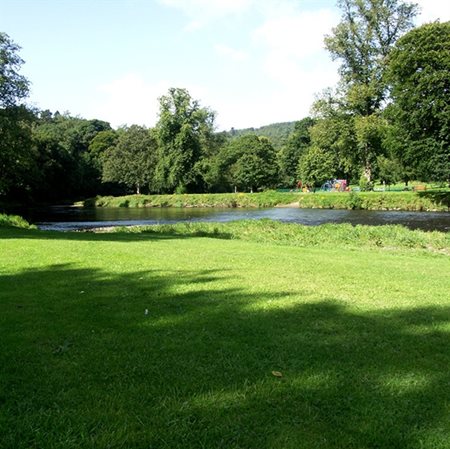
(133, 159)
(13, 85)
(184, 131)
(419, 70)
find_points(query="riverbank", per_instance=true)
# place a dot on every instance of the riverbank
(152, 339)
(407, 201)
(344, 236)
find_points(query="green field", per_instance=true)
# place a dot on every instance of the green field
(176, 338)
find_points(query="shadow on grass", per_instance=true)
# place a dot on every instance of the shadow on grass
(176, 360)
(124, 236)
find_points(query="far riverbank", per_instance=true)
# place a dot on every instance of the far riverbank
(430, 201)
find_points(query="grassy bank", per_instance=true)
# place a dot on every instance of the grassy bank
(389, 237)
(15, 221)
(412, 201)
(171, 339)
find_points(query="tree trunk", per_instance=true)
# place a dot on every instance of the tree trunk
(368, 172)
(138, 189)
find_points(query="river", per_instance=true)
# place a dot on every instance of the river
(66, 218)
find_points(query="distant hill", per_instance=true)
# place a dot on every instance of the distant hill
(277, 133)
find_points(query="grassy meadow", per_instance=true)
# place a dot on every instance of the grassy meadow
(198, 338)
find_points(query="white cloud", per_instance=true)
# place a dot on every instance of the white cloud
(296, 59)
(129, 100)
(432, 10)
(232, 53)
(202, 12)
(132, 99)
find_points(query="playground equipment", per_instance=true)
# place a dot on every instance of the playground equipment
(335, 185)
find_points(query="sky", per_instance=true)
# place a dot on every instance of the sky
(253, 62)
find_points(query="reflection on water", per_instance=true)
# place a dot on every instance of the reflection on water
(65, 218)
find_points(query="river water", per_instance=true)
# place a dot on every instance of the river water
(65, 218)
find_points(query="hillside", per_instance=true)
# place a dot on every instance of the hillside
(277, 133)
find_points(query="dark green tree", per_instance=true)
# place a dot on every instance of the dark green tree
(66, 167)
(13, 86)
(419, 70)
(132, 160)
(362, 42)
(289, 155)
(185, 132)
(317, 166)
(17, 160)
(249, 163)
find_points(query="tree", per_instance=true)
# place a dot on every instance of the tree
(389, 170)
(419, 71)
(132, 161)
(13, 86)
(67, 168)
(316, 167)
(17, 160)
(184, 132)
(289, 155)
(249, 163)
(362, 42)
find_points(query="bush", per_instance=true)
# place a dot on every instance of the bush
(15, 221)
(365, 185)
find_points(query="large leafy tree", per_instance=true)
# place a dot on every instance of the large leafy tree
(296, 145)
(185, 132)
(249, 163)
(13, 85)
(66, 166)
(362, 42)
(317, 166)
(419, 71)
(16, 157)
(132, 160)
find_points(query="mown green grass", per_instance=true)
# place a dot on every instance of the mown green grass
(436, 200)
(360, 335)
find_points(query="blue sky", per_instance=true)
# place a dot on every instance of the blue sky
(254, 62)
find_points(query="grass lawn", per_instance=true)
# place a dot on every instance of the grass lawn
(159, 340)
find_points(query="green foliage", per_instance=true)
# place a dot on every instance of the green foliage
(260, 199)
(365, 185)
(316, 167)
(14, 221)
(431, 200)
(13, 86)
(248, 163)
(389, 170)
(362, 42)
(66, 168)
(419, 68)
(277, 133)
(289, 155)
(17, 158)
(133, 159)
(184, 132)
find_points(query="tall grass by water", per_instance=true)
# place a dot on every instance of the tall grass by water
(390, 237)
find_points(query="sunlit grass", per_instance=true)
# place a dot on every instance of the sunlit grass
(359, 335)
